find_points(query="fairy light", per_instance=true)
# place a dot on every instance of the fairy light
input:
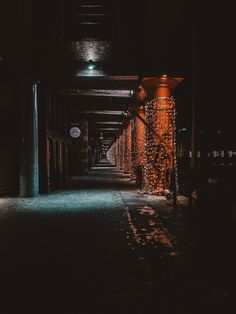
(127, 149)
(175, 165)
(133, 148)
(156, 151)
(138, 143)
(160, 150)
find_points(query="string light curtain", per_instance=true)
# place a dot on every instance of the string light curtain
(160, 157)
(127, 149)
(138, 130)
(133, 148)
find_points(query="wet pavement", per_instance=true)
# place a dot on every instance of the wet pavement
(100, 246)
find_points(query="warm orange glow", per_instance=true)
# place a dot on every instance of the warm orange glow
(160, 145)
(149, 139)
(138, 143)
(127, 149)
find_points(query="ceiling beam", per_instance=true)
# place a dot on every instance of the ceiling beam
(105, 112)
(122, 78)
(108, 129)
(97, 92)
(106, 122)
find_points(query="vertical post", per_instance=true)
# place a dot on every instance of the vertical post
(44, 100)
(29, 169)
(160, 172)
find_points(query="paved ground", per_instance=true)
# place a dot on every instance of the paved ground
(101, 247)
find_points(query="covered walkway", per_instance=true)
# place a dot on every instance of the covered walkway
(102, 248)
(86, 80)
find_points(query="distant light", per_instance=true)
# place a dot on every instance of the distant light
(184, 129)
(164, 75)
(219, 131)
(91, 65)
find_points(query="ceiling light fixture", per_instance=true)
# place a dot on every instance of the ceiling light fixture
(91, 65)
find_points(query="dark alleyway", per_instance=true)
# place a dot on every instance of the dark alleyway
(99, 247)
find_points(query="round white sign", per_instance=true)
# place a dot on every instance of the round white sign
(75, 132)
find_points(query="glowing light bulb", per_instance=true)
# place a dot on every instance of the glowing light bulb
(91, 65)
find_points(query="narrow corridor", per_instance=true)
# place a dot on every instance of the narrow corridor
(97, 247)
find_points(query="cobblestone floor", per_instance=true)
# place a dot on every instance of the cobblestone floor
(99, 246)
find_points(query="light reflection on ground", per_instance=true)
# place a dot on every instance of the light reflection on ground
(118, 246)
(147, 230)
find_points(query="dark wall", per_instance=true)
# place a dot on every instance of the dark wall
(9, 138)
(9, 128)
(78, 151)
(15, 68)
(214, 97)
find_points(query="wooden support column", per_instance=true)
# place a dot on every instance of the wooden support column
(160, 138)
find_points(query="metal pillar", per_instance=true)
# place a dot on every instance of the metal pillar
(29, 169)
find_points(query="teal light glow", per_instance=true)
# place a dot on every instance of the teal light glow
(91, 66)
